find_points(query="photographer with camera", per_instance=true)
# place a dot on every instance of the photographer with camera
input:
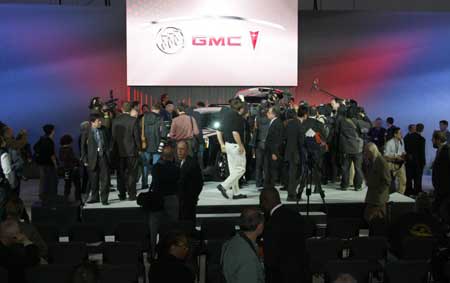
(351, 130)
(395, 155)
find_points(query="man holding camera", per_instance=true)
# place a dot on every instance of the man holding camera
(395, 155)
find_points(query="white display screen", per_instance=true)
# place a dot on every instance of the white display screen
(212, 42)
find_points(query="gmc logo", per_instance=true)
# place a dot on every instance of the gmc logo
(217, 41)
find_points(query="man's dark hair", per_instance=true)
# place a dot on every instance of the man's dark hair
(312, 111)
(271, 195)
(48, 129)
(390, 120)
(445, 122)
(65, 140)
(156, 106)
(201, 104)
(411, 126)
(169, 102)
(135, 105)
(237, 104)
(303, 110)
(163, 96)
(395, 130)
(167, 153)
(250, 219)
(172, 238)
(94, 116)
(420, 127)
(144, 106)
(439, 136)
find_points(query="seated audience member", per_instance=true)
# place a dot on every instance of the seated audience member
(14, 209)
(240, 261)
(378, 179)
(17, 252)
(191, 182)
(420, 223)
(71, 167)
(284, 240)
(170, 266)
(345, 278)
(165, 181)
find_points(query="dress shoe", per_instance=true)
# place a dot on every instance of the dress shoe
(222, 191)
(240, 196)
(105, 203)
(122, 198)
(93, 201)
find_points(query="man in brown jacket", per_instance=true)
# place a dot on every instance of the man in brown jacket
(378, 179)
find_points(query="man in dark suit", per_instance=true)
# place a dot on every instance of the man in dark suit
(292, 155)
(95, 150)
(273, 149)
(441, 176)
(191, 182)
(284, 240)
(415, 160)
(126, 140)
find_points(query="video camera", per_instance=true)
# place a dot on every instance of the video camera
(108, 106)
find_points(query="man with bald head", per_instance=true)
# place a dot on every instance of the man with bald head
(378, 179)
(191, 182)
(17, 252)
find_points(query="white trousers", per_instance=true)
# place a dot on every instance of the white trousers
(236, 166)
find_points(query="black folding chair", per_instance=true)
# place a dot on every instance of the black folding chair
(136, 232)
(358, 269)
(343, 228)
(48, 232)
(3, 275)
(73, 253)
(121, 253)
(118, 274)
(90, 234)
(320, 251)
(407, 271)
(415, 248)
(50, 273)
(372, 249)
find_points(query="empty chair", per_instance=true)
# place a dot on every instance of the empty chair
(372, 249)
(50, 273)
(118, 274)
(218, 229)
(406, 271)
(48, 232)
(320, 251)
(90, 234)
(120, 253)
(358, 269)
(343, 228)
(136, 232)
(414, 248)
(72, 253)
(3, 275)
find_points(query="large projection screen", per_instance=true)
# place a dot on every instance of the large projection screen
(212, 42)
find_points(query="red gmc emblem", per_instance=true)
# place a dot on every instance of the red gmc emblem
(216, 41)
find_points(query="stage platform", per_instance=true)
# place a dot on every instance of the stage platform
(211, 204)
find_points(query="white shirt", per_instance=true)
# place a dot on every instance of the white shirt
(7, 169)
(275, 208)
(394, 148)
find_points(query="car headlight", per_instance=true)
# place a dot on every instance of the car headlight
(216, 125)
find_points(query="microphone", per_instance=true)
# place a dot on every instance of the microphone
(315, 85)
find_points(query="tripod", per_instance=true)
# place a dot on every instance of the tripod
(307, 180)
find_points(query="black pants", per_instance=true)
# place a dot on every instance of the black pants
(357, 160)
(99, 180)
(188, 208)
(259, 167)
(48, 184)
(414, 172)
(127, 177)
(271, 169)
(293, 178)
(72, 175)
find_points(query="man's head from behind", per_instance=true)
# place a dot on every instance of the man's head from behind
(345, 278)
(49, 130)
(182, 150)
(390, 121)
(9, 230)
(378, 123)
(251, 221)
(419, 128)
(167, 153)
(269, 198)
(443, 125)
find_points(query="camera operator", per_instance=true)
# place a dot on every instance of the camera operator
(261, 128)
(313, 136)
(395, 155)
(351, 129)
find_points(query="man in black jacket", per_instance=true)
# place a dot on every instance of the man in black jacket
(284, 240)
(292, 155)
(273, 148)
(126, 140)
(191, 182)
(95, 150)
(261, 127)
(415, 160)
(441, 176)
